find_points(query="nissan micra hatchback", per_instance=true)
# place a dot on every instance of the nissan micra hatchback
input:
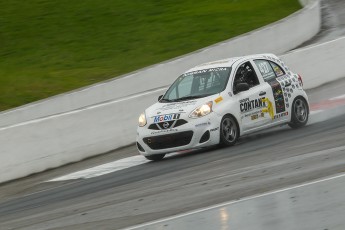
(217, 102)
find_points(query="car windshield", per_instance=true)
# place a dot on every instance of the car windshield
(198, 84)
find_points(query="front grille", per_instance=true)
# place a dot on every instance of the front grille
(159, 126)
(180, 122)
(169, 140)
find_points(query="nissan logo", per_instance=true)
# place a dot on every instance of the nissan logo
(165, 125)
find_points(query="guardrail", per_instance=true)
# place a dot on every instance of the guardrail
(277, 38)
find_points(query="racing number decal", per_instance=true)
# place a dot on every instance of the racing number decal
(277, 95)
(263, 67)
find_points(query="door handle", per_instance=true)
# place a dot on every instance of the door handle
(262, 93)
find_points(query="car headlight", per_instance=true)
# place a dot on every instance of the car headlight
(142, 120)
(202, 110)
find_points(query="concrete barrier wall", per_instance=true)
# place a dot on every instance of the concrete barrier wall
(277, 38)
(50, 142)
(53, 141)
(318, 64)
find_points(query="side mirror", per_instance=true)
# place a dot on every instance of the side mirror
(242, 87)
(160, 97)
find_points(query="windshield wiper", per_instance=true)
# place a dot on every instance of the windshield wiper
(166, 100)
(191, 97)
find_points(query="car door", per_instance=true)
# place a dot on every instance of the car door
(252, 102)
(277, 103)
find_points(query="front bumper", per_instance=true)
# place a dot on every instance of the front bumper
(188, 136)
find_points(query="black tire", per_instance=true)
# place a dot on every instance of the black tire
(156, 157)
(299, 113)
(229, 131)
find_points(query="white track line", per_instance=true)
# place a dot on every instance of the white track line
(104, 169)
(233, 202)
(313, 112)
(338, 97)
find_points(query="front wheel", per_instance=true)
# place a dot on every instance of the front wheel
(229, 131)
(299, 113)
(156, 157)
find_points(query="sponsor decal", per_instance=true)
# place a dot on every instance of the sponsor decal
(281, 115)
(203, 124)
(257, 116)
(278, 71)
(166, 117)
(251, 114)
(247, 105)
(218, 99)
(215, 129)
(269, 108)
(206, 71)
(278, 95)
(176, 105)
(164, 131)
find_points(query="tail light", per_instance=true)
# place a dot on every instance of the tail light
(300, 80)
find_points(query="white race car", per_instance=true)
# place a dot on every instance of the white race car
(217, 102)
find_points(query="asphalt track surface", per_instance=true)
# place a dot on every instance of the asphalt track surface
(259, 163)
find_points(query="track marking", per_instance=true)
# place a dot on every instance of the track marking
(339, 97)
(104, 169)
(313, 112)
(234, 202)
(108, 168)
(329, 103)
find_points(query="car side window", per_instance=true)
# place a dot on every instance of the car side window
(265, 69)
(245, 74)
(277, 69)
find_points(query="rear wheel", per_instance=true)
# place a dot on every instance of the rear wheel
(299, 113)
(229, 131)
(156, 157)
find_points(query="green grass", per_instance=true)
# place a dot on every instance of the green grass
(52, 46)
